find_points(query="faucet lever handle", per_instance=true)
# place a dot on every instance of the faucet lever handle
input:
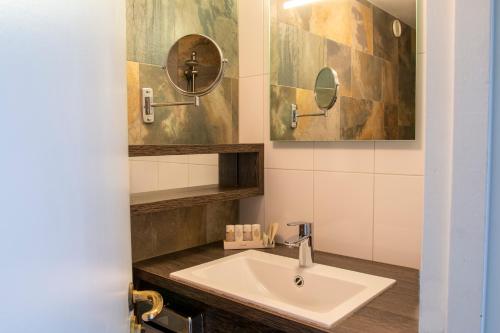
(305, 228)
(298, 224)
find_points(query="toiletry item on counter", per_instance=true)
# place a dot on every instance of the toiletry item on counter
(256, 232)
(265, 239)
(238, 233)
(275, 231)
(272, 230)
(230, 233)
(247, 232)
(248, 236)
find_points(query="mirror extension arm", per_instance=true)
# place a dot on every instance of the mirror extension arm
(148, 115)
(296, 115)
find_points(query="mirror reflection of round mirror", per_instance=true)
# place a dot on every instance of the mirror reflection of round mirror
(195, 65)
(326, 88)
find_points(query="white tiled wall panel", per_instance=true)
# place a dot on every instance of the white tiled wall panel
(403, 158)
(184, 159)
(343, 213)
(143, 176)
(203, 175)
(172, 175)
(289, 155)
(152, 173)
(250, 116)
(398, 219)
(251, 37)
(289, 197)
(204, 159)
(344, 156)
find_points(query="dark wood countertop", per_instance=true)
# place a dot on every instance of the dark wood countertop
(396, 310)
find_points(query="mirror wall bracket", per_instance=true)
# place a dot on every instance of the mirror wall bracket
(295, 116)
(148, 115)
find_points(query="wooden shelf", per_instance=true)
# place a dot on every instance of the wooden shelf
(241, 175)
(157, 201)
(160, 150)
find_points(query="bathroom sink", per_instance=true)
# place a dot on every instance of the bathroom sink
(320, 295)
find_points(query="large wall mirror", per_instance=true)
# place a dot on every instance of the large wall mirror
(342, 70)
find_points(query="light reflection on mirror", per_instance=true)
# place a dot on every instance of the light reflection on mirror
(297, 3)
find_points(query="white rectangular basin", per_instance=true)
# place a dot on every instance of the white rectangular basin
(326, 296)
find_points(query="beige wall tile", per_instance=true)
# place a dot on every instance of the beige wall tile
(204, 159)
(251, 37)
(403, 157)
(183, 159)
(267, 36)
(172, 175)
(143, 176)
(144, 158)
(289, 155)
(203, 175)
(289, 197)
(250, 112)
(344, 156)
(398, 219)
(343, 213)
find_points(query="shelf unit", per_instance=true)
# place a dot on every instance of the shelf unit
(241, 175)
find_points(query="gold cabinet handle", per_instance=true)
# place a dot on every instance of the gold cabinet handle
(134, 326)
(152, 296)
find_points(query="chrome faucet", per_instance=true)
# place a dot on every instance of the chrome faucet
(304, 243)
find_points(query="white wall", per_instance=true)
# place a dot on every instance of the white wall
(365, 198)
(458, 91)
(492, 292)
(65, 246)
(439, 104)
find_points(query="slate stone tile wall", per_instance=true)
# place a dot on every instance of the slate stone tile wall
(376, 71)
(153, 26)
(161, 233)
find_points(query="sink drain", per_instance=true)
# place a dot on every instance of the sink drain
(299, 281)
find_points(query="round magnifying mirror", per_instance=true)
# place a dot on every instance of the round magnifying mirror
(195, 65)
(326, 88)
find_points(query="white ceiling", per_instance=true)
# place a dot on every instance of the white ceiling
(405, 10)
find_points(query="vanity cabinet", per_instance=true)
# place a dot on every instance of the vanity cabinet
(214, 320)
(396, 310)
